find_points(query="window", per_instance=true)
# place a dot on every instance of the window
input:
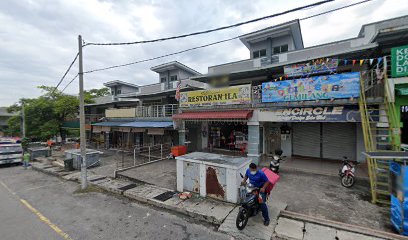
(119, 91)
(163, 79)
(173, 78)
(259, 53)
(280, 49)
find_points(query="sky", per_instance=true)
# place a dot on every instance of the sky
(39, 38)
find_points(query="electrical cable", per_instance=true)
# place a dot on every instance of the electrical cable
(214, 29)
(167, 55)
(69, 83)
(335, 9)
(206, 45)
(65, 74)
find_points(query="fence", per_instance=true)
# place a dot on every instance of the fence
(141, 155)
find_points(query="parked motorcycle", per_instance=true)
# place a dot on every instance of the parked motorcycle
(250, 204)
(346, 173)
(275, 162)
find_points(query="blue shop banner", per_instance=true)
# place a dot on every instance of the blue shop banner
(345, 85)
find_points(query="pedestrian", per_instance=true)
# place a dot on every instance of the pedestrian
(26, 158)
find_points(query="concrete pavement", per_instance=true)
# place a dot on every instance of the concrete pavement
(92, 215)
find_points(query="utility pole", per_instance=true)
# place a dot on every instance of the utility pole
(23, 130)
(82, 116)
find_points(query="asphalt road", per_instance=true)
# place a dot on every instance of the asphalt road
(37, 206)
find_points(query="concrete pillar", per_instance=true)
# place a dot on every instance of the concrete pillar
(107, 140)
(204, 139)
(253, 142)
(182, 133)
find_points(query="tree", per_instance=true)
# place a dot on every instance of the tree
(45, 115)
(94, 93)
(14, 124)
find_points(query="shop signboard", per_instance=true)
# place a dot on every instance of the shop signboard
(302, 69)
(314, 114)
(345, 85)
(399, 61)
(217, 96)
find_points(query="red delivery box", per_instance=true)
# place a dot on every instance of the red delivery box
(272, 177)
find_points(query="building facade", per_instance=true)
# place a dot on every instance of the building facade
(140, 115)
(305, 101)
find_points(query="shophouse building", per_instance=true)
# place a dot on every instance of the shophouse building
(305, 101)
(140, 115)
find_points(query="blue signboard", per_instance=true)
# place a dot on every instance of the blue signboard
(343, 85)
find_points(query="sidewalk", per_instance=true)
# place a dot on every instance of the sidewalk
(223, 214)
(215, 212)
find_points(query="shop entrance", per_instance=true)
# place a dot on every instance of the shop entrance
(404, 120)
(274, 139)
(228, 136)
(325, 140)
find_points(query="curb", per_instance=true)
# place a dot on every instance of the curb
(175, 208)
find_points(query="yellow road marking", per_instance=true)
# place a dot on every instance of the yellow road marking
(39, 215)
(7, 188)
(46, 220)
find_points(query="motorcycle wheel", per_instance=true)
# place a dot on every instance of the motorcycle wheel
(242, 219)
(347, 181)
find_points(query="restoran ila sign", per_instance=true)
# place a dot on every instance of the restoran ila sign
(217, 96)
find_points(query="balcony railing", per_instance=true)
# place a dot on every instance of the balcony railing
(167, 110)
(152, 111)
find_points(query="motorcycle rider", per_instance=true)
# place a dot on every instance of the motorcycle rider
(258, 179)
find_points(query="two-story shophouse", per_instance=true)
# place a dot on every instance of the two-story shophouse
(306, 101)
(141, 115)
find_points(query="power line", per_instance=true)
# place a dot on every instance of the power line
(207, 45)
(167, 55)
(69, 83)
(214, 29)
(65, 74)
(335, 9)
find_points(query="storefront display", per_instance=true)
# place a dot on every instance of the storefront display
(229, 136)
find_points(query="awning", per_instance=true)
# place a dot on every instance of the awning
(138, 124)
(108, 124)
(239, 114)
(135, 124)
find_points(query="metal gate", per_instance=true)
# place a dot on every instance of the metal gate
(339, 139)
(306, 139)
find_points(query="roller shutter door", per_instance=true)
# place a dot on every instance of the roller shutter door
(339, 139)
(306, 139)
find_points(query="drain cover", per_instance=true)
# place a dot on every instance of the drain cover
(127, 187)
(164, 196)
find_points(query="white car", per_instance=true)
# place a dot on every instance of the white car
(11, 153)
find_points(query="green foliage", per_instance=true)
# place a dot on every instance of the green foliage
(14, 124)
(24, 143)
(94, 93)
(45, 115)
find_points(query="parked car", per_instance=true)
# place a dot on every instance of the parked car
(10, 151)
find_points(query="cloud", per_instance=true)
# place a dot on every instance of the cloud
(39, 38)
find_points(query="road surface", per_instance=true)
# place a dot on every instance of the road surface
(34, 206)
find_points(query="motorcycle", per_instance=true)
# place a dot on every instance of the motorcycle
(250, 205)
(346, 173)
(275, 162)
